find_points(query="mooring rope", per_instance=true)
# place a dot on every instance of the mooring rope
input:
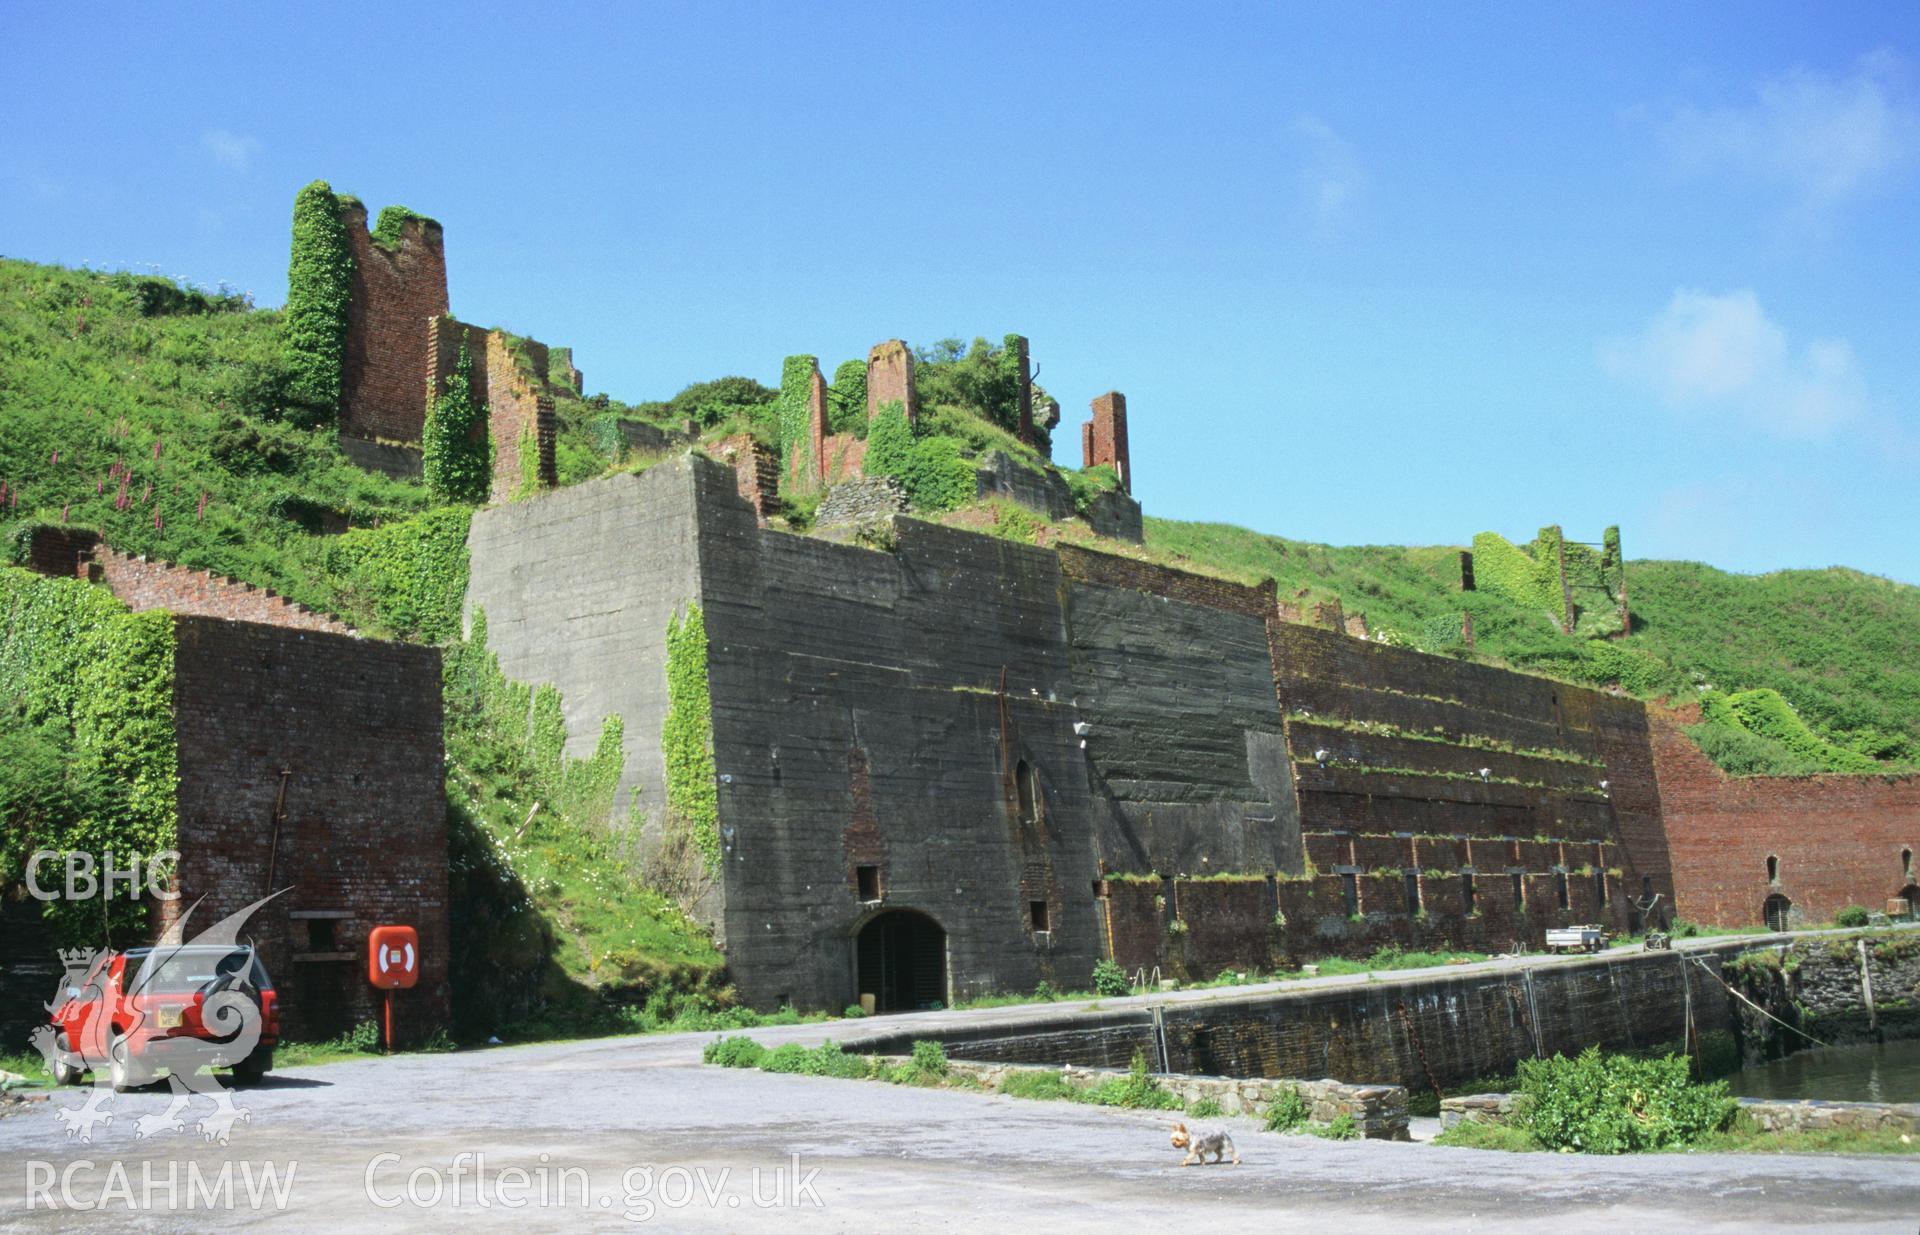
(1751, 1004)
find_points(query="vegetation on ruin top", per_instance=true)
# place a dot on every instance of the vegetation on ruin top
(170, 419)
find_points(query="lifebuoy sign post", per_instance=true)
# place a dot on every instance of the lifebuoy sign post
(393, 964)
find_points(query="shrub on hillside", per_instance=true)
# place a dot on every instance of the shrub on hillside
(1852, 915)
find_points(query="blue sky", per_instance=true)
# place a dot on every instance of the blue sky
(1366, 273)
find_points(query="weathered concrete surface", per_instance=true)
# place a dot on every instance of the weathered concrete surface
(891, 1158)
(577, 588)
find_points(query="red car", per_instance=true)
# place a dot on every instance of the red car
(181, 1009)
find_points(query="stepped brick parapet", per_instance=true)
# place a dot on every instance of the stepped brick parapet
(143, 583)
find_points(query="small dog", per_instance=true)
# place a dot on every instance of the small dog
(1199, 1144)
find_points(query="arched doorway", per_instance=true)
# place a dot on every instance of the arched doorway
(900, 958)
(1776, 911)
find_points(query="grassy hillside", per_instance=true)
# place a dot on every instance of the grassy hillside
(157, 415)
(1837, 647)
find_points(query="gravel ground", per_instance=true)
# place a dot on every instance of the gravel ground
(872, 1157)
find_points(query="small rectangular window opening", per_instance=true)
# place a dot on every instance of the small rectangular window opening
(320, 935)
(1413, 892)
(1037, 915)
(868, 877)
(1467, 890)
(1519, 889)
(1350, 891)
(1561, 892)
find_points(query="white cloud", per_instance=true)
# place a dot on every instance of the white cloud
(1330, 177)
(232, 150)
(1724, 355)
(1824, 140)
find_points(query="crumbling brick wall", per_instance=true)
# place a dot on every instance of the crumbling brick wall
(756, 472)
(395, 293)
(890, 378)
(1103, 440)
(350, 729)
(1839, 840)
(510, 376)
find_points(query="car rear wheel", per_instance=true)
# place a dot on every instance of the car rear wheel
(66, 1069)
(254, 1068)
(123, 1073)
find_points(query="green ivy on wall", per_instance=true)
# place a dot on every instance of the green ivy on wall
(456, 449)
(408, 578)
(319, 286)
(686, 735)
(792, 418)
(933, 470)
(522, 730)
(847, 399)
(1530, 580)
(86, 710)
(1765, 712)
(387, 228)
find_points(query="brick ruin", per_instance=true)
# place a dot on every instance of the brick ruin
(308, 758)
(509, 376)
(1783, 849)
(396, 292)
(401, 346)
(1103, 440)
(890, 379)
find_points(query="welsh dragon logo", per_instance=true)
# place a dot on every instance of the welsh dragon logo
(229, 1012)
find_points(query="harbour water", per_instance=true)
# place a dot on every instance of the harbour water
(1889, 1072)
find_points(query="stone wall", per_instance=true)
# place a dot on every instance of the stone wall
(1379, 1112)
(1418, 1031)
(1415, 763)
(399, 462)
(1836, 840)
(395, 293)
(344, 736)
(638, 435)
(861, 503)
(1061, 755)
(1835, 990)
(877, 709)
(1115, 514)
(1000, 475)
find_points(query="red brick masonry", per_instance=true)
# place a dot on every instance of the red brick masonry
(1839, 840)
(395, 293)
